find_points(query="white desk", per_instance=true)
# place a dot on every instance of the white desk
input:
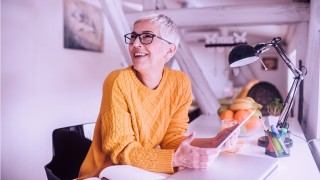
(299, 165)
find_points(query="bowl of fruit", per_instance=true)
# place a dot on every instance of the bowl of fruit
(239, 110)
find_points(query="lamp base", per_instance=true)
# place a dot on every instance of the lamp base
(262, 141)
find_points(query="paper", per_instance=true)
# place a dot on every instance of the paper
(121, 172)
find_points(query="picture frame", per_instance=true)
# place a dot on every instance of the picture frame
(83, 26)
(270, 62)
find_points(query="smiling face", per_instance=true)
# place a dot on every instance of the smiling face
(151, 57)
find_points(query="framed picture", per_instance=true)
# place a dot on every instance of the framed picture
(270, 62)
(83, 26)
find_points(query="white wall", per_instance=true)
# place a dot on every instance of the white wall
(44, 86)
(311, 110)
(213, 64)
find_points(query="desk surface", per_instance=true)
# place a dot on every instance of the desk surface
(299, 165)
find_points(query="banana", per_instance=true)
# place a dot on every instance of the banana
(242, 100)
(251, 99)
(258, 113)
(259, 106)
(241, 106)
(247, 100)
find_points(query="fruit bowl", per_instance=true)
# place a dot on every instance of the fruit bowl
(239, 110)
(252, 126)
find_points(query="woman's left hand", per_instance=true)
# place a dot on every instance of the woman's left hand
(193, 157)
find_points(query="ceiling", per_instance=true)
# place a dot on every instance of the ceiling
(196, 32)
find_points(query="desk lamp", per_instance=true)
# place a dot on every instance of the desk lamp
(245, 54)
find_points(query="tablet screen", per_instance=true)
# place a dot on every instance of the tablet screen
(235, 129)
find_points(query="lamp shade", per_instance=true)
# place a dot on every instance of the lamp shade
(241, 55)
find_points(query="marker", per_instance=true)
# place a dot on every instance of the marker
(269, 135)
(283, 131)
(277, 135)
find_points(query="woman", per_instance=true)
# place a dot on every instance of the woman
(144, 109)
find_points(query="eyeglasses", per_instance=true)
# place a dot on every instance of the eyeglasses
(145, 38)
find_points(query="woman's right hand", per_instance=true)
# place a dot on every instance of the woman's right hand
(193, 157)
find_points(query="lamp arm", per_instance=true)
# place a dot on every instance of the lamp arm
(283, 118)
(282, 122)
(276, 44)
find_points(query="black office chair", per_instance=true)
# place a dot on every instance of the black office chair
(264, 93)
(70, 146)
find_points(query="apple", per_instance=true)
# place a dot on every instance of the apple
(221, 109)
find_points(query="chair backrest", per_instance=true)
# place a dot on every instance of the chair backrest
(264, 93)
(70, 146)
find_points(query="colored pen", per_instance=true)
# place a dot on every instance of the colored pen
(277, 136)
(271, 142)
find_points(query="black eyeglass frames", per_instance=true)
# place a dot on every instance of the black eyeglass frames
(145, 38)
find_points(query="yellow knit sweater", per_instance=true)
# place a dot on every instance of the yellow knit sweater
(134, 120)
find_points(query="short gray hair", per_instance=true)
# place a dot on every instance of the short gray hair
(168, 29)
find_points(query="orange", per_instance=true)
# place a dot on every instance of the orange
(253, 123)
(226, 114)
(254, 118)
(241, 115)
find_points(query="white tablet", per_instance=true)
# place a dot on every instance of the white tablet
(238, 127)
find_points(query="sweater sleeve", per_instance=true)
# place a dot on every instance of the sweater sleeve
(179, 122)
(118, 139)
(119, 142)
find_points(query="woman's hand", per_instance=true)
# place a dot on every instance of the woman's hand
(193, 157)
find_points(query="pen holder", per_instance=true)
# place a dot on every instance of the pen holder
(276, 147)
